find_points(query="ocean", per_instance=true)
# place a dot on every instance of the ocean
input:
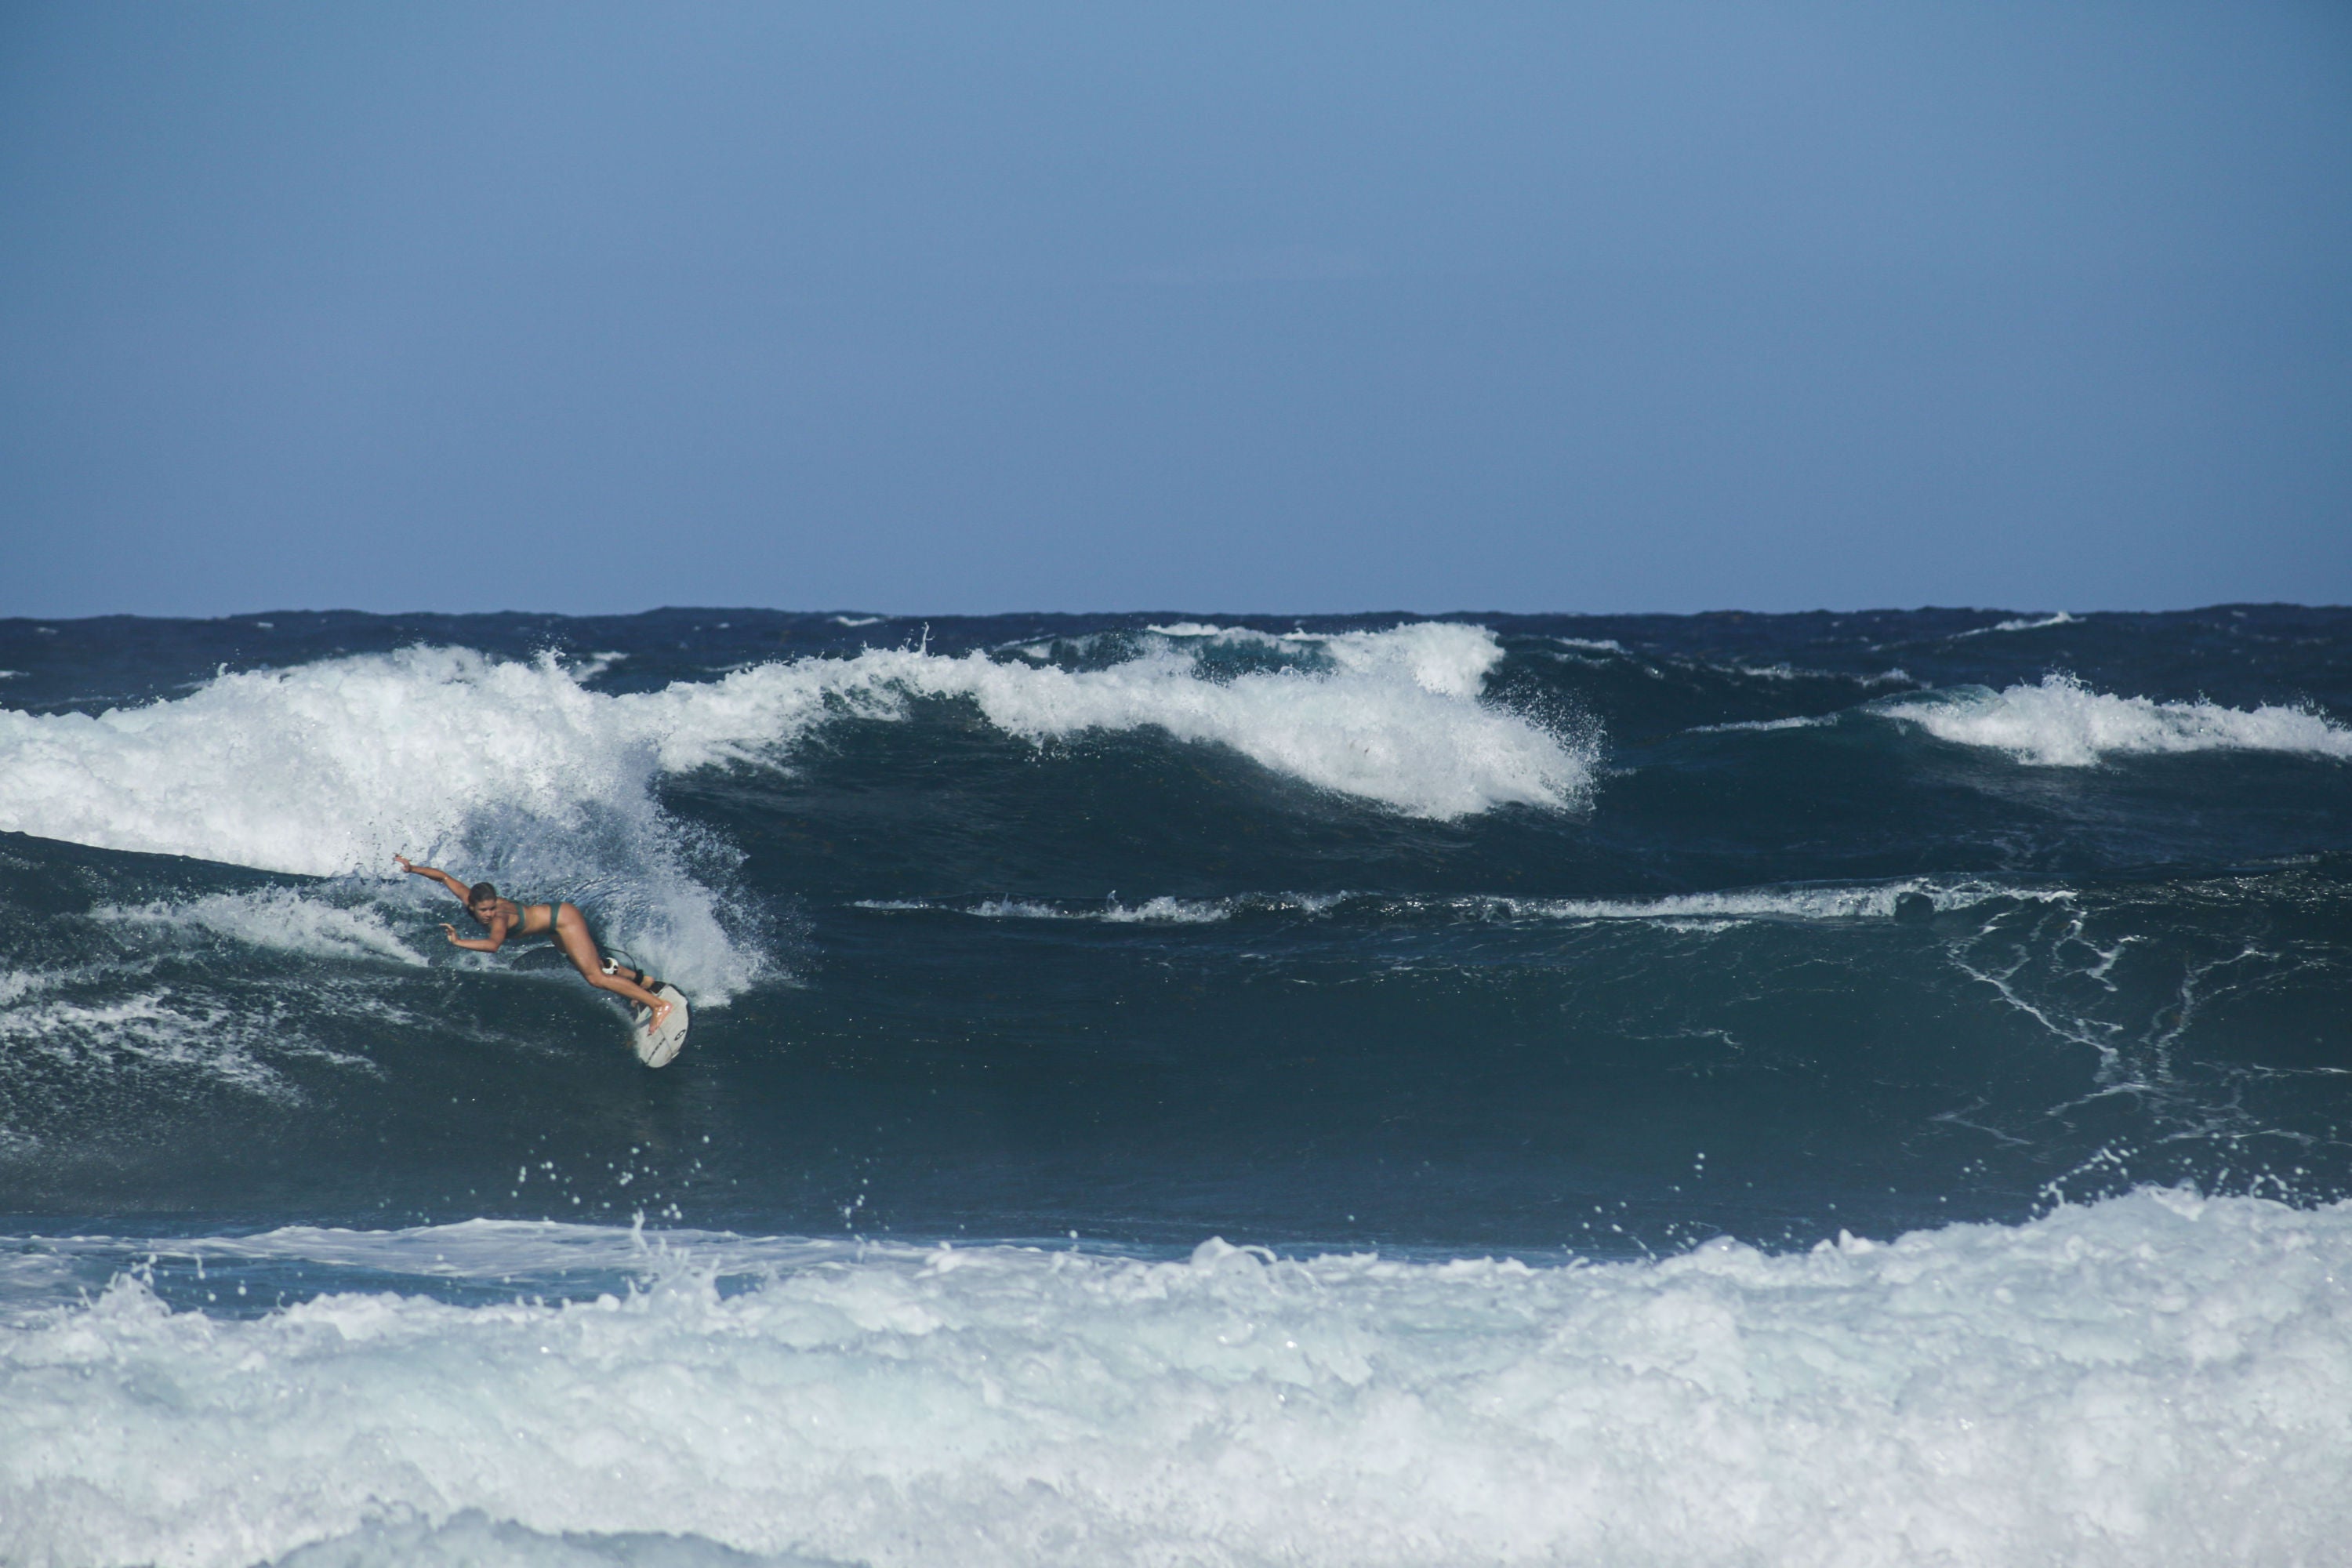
(1206, 1090)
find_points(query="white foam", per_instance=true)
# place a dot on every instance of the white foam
(516, 771)
(109, 1012)
(1165, 910)
(1016, 909)
(160, 1028)
(1689, 912)
(597, 664)
(472, 1540)
(1871, 900)
(325, 769)
(1806, 721)
(1395, 722)
(279, 919)
(2063, 723)
(1892, 677)
(2019, 624)
(2149, 1380)
(1443, 657)
(151, 995)
(331, 768)
(1161, 910)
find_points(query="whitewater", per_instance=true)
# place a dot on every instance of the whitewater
(332, 768)
(2156, 1379)
(1181, 1088)
(326, 768)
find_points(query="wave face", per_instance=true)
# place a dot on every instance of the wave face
(1031, 952)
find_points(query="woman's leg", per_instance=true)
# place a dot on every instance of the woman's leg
(571, 936)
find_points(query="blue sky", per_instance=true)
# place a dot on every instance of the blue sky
(1301, 308)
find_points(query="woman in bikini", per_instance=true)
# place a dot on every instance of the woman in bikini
(504, 918)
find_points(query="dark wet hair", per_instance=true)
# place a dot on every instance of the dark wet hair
(481, 893)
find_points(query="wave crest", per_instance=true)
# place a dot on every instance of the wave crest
(519, 773)
(1388, 717)
(2063, 723)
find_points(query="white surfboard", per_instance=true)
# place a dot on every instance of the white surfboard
(659, 1048)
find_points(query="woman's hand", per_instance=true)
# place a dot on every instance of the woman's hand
(405, 864)
(453, 933)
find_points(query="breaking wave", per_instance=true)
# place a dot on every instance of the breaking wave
(2063, 723)
(2154, 1379)
(523, 775)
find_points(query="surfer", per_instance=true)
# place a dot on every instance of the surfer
(563, 923)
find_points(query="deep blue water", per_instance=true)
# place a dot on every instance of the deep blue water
(1663, 1090)
(1545, 934)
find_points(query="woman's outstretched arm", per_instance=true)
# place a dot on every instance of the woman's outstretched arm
(446, 880)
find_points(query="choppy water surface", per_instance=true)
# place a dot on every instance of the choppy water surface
(1563, 1016)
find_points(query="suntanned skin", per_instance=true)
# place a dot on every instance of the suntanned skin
(504, 918)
